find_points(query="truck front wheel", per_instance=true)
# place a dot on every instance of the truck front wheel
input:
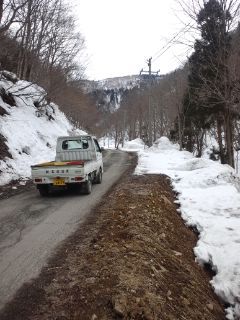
(43, 190)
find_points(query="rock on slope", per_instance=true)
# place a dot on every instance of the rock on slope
(108, 93)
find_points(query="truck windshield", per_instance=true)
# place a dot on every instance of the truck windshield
(75, 144)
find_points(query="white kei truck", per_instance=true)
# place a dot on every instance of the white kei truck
(78, 164)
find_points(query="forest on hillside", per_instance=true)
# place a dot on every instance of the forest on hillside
(199, 100)
(40, 43)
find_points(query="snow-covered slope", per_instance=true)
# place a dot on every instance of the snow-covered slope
(209, 198)
(29, 127)
(126, 82)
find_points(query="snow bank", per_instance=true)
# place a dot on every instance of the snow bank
(107, 143)
(133, 145)
(30, 127)
(210, 200)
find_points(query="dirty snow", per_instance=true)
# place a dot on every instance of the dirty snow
(30, 131)
(209, 198)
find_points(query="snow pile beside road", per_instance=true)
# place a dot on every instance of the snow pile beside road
(133, 145)
(107, 143)
(130, 146)
(209, 196)
(29, 127)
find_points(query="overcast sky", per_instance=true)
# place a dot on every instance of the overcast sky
(122, 34)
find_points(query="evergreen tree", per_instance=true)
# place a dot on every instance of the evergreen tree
(207, 97)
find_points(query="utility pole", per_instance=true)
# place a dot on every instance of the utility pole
(150, 117)
(124, 128)
(150, 76)
(150, 66)
(149, 63)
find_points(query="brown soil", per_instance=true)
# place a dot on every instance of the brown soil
(133, 259)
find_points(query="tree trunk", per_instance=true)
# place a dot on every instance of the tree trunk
(200, 144)
(154, 125)
(220, 142)
(180, 132)
(1, 10)
(229, 137)
(28, 72)
(189, 142)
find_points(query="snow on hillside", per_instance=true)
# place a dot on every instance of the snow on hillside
(29, 127)
(126, 82)
(209, 198)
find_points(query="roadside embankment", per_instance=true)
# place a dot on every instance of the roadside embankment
(132, 259)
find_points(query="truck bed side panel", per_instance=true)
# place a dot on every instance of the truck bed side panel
(75, 155)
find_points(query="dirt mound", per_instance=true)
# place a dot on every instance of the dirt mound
(133, 259)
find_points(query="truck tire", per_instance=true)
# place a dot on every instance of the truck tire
(43, 190)
(99, 176)
(87, 187)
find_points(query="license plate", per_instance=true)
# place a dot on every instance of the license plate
(59, 182)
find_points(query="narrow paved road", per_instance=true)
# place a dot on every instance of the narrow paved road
(31, 227)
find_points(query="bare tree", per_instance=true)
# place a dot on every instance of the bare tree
(9, 13)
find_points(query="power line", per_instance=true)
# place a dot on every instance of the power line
(160, 52)
(171, 40)
(151, 76)
(168, 45)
